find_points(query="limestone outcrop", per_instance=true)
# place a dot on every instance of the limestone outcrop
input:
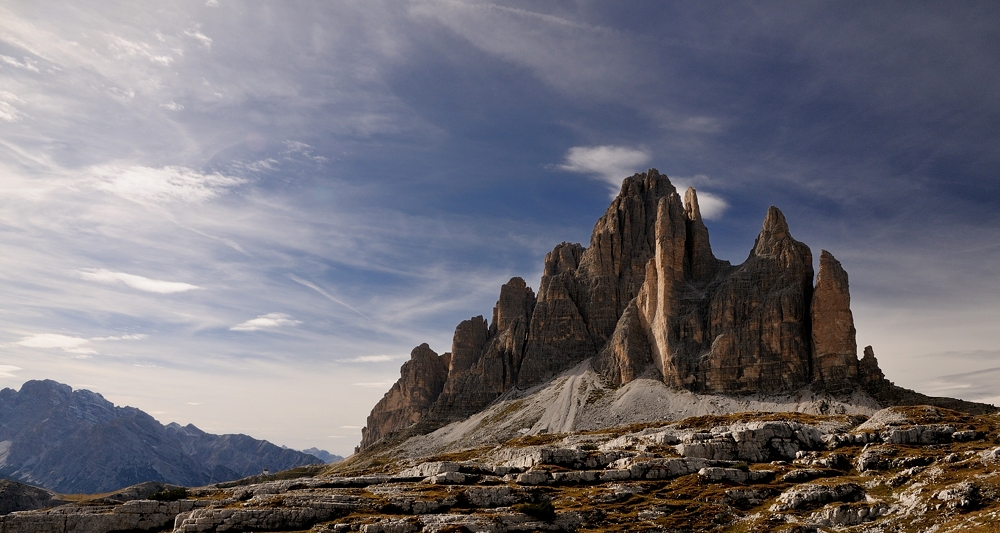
(649, 298)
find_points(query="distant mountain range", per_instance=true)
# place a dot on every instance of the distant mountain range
(323, 455)
(77, 442)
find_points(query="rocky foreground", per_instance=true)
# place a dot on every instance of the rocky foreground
(916, 468)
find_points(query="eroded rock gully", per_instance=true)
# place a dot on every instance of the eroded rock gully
(649, 298)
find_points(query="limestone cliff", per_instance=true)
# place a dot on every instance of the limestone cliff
(420, 383)
(649, 298)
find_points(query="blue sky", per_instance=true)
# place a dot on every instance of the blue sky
(243, 215)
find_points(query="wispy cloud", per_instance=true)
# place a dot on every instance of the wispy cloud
(137, 282)
(69, 344)
(326, 294)
(202, 39)
(57, 341)
(159, 185)
(8, 112)
(27, 64)
(268, 321)
(7, 371)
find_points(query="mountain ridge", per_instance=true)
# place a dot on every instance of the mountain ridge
(75, 441)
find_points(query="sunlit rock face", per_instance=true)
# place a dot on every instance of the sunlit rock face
(649, 298)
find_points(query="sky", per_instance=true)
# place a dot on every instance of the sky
(244, 215)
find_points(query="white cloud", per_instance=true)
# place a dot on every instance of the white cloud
(270, 320)
(212, 3)
(372, 359)
(26, 65)
(161, 185)
(196, 34)
(74, 345)
(125, 95)
(137, 282)
(8, 112)
(137, 336)
(7, 371)
(351, 427)
(55, 340)
(608, 163)
(172, 106)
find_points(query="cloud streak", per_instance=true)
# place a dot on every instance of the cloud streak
(268, 321)
(161, 185)
(137, 282)
(325, 294)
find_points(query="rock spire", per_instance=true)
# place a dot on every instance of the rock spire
(647, 298)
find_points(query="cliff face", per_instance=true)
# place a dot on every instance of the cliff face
(649, 298)
(420, 383)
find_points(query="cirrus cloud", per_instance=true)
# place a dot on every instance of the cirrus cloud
(137, 282)
(268, 321)
(161, 185)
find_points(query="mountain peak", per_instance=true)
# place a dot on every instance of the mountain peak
(648, 299)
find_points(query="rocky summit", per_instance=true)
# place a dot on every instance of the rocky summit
(649, 299)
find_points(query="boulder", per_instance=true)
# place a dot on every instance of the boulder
(811, 495)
